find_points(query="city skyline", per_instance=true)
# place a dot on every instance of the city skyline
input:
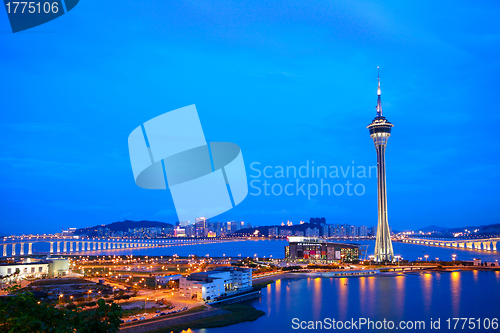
(290, 84)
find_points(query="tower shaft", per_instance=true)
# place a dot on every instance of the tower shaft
(383, 243)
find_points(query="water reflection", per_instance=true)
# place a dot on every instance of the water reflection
(288, 297)
(277, 294)
(362, 294)
(343, 299)
(427, 282)
(317, 295)
(370, 296)
(456, 289)
(399, 293)
(269, 300)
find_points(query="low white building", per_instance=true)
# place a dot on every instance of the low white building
(212, 284)
(23, 270)
(35, 268)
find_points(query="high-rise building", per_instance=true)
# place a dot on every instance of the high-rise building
(314, 232)
(273, 231)
(363, 231)
(333, 230)
(380, 131)
(325, 232)
(285, 232)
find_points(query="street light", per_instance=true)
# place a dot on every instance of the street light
(397, 258)
(453, 256)
(371, 258)
(426, 256)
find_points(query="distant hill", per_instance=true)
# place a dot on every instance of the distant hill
(432, 228)
(477, 231)
(488, 228)
(124, 226)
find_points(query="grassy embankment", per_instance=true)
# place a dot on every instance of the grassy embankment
(262, 285)
(237, 313)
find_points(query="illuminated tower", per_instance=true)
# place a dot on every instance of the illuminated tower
(380, 131)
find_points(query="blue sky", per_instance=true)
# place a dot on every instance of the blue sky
(289, 82)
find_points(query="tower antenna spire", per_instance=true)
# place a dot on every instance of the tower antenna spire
(379, 101)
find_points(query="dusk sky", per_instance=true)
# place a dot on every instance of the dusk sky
(289, 82)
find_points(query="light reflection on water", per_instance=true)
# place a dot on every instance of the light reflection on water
(426, 287)
(471, 294)
(456, 290)
(317, 296)
(362, 292)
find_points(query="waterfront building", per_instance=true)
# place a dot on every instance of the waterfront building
(380, 131)
(311, 248)
(234, 226)
(179, 232)
(212, 284)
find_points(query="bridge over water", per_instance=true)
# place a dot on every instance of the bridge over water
(485, 244)
(68, 245)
